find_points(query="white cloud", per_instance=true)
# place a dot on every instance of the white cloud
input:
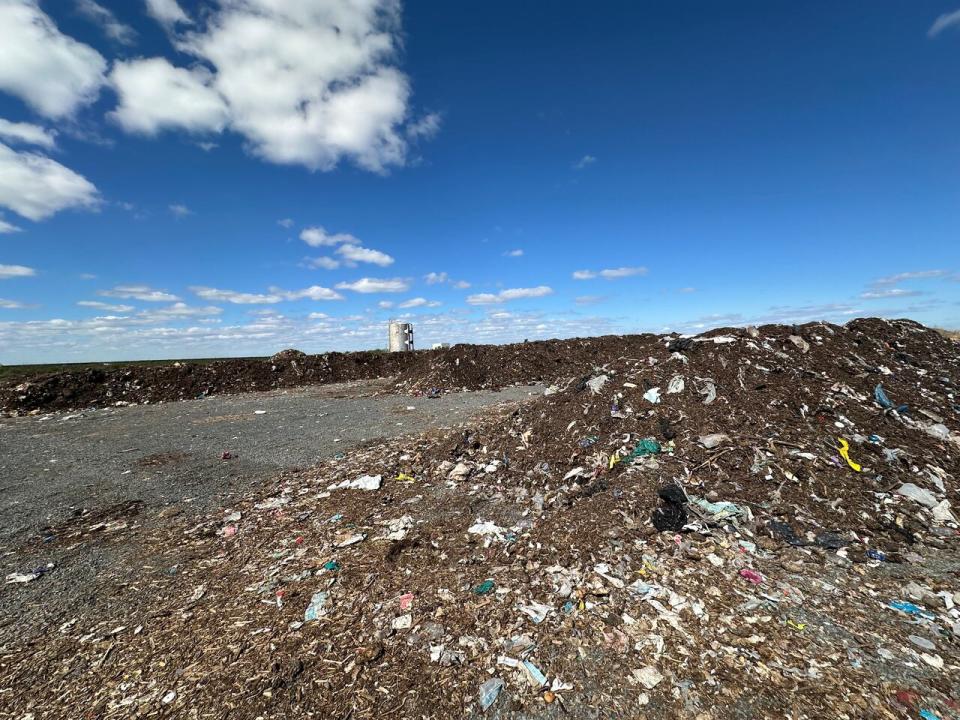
(51, 72)
(8, 228)
(36, 187)
(375, 285)
(14, 271)
(237, 298)
(609, 274)
(318, 316)
(275, 295)
(167, 12)
(314, 292)
(425, 127)
(318, 237)
(513, 253)
(419, 302)
(904, 276)
(507, 295)
(87, 276)
(179, 210)
(138, 292)
(589, 299)
(306, 82)
(891, 292)
(18, 132)
(11, 305)
(438, 278)
(584, 162)
(943, 22)
(285, 223)
(105, 307)
(353, 254)
(385, 304)
(154, 95)
(688, 290)
(181, 310)
(112, 28)
(327, 263)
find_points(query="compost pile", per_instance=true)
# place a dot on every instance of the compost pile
(751, 523)
(138, 384)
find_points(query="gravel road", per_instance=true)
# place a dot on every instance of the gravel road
(52, 465)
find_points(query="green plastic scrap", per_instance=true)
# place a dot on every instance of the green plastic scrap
(484, 588)
(647, 446)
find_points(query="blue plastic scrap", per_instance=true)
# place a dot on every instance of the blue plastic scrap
(929, 715)
(881, 397)
(911, 609)
(537, 676)
(490, 691)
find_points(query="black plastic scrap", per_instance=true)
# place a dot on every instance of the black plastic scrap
(671, 515)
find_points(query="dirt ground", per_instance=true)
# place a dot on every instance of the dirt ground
(752, 523)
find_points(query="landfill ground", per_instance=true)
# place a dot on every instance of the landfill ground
(752, 523)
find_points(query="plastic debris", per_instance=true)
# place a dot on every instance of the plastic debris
(918, 494)
(911, 609)
(671, 515)
(844, 451)
(751, 576)
(537, 678)
(676, 385)
(536, 611)
(489, 692)
(484, 588)
(596, 384)
(652, 395)
(317, 607)
(713, 440)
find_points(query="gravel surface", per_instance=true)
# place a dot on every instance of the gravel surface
(53, 465)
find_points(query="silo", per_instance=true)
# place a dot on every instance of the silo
(400, 338)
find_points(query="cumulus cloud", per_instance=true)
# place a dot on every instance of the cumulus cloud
(353, 254)
(36, 187)
(610, 273)
(947, 20)
(375, 285)
(318, 237)
(507, 295)
(154, 95)
(112, 28)
(105, 307)
(305, 82)
(167, 12)
(583, 162)
(26, 133)
(327, 263)
(51, 72)
(182, 310)
(138, 292)
(16, 271)
(513, 253)
(419, 302)
(438, 278)
(275, 295)
(425, 127)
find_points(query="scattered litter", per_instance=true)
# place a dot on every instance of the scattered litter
(317, 607)
(844, 450)
(489, 692)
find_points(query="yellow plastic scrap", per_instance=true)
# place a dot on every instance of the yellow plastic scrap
(614, 459)
(403, 477)
(845, 454)
(799, 627)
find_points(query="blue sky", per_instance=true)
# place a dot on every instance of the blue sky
(236, 177)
